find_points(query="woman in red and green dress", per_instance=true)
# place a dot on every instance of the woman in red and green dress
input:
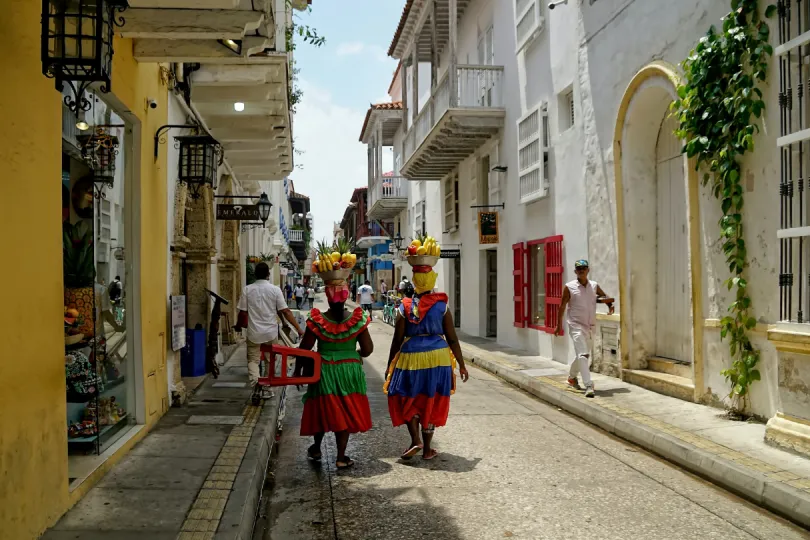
(338, 402)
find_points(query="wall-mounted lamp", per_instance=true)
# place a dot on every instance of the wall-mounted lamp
(499, 168)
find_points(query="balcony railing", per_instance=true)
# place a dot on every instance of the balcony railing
(479, 87)
(388, 187)
(372, 228)
(296, 236)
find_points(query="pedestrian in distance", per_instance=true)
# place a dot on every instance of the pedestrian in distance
(300, 291)
(366, 297)
(337, 403)
(582, 295)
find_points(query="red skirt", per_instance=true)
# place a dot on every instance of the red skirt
(431, 411)
(334, 413)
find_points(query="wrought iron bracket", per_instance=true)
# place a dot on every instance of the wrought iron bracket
(161, 132)
(248, 225)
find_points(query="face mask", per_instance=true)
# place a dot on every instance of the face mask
(337, 294)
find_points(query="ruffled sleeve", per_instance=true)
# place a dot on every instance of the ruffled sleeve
(338, 332)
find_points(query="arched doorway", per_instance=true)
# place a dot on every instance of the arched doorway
(659, 243)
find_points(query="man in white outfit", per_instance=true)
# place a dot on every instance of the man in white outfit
(583, 295)
(263, 303)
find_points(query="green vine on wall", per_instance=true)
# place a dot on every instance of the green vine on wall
(718, 107)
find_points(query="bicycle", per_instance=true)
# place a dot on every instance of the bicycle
(389, 309)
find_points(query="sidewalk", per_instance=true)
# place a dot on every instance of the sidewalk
(698, 438)
(198, 475)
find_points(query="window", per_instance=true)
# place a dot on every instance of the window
(494, 178)
(566, 107)
(538, 283)
(419, 217)
(528, 22)
(532, 148)
(451, 203)
(486, 47)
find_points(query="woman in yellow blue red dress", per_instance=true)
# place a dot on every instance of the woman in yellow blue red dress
(338, 402)
(420, 376)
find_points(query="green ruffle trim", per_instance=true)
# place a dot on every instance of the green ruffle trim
(339, 380)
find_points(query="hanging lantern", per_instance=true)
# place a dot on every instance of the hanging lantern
(77, 45)
(197, 166)
(264, 205)
(99, 151)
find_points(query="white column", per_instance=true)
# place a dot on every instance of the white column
(403, 73)
(370, 164)
(453, 72)
(415, 64)
(379, 139)
(434, 49)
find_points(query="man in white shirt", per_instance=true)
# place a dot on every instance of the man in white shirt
(263, 301)
(366, 296)
(311, 296)
(583, 295)
(300, 291)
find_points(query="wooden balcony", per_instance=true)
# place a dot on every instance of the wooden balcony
(387, 197)
(442, 136)
(369, 234)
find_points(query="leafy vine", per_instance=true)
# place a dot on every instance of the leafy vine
(307, 35)
(716, 107)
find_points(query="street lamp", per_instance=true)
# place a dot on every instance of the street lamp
(77, 45)
(99, 151)
(197, 165)
(398, 241)
(264, 205)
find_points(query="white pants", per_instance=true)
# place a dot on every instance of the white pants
(580, 363)
(254, 354)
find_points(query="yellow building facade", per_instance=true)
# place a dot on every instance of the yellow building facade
(36, 487)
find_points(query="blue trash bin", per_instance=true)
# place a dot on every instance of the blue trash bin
(192, 356)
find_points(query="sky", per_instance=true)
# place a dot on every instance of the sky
(339, 80)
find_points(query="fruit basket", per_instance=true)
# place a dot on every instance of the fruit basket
(423, 260)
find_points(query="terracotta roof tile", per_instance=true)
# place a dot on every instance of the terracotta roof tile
(392, 106)
(400, 27)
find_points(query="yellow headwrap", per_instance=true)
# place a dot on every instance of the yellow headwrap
(424, 282)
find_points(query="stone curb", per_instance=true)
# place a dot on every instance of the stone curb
(239, 516)
(776, 496)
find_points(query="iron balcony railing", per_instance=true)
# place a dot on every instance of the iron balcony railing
(388, 187)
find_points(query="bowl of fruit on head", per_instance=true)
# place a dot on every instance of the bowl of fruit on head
(334, 261)
(424, 251)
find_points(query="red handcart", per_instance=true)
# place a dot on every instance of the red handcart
(309, 363)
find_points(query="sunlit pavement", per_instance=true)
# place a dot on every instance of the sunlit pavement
(510, 466)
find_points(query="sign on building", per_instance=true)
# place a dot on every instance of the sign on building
(488, 227)
(245, 212)
(178, 322)
(450, 254)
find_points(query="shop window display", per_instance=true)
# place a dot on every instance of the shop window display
(99, 374)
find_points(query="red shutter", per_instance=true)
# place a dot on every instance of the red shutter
(520, 279)
(553, 280)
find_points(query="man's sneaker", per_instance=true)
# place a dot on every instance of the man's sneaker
(574, 383)
(267, 393)
(589, 391)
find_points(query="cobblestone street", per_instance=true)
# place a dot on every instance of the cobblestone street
(510, 466)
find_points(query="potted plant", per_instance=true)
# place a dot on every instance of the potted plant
(79, 271)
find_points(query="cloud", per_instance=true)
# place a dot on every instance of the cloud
(356, 47)
(334, 162)
(347, 49)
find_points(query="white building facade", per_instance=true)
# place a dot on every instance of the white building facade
(557, 120)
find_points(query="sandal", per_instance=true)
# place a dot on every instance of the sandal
(430, 454)
(345, 463)
(314, 453)
(410, 452)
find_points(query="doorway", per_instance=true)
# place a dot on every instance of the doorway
(672, 248)
(492, 292)
(457, 292)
